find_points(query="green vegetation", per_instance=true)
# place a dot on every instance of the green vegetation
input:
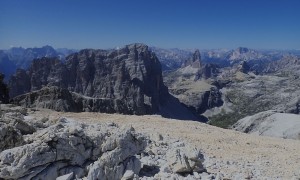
(242, 106)
(224, 120)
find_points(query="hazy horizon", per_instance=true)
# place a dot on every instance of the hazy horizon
(168, 24)
(151, 46)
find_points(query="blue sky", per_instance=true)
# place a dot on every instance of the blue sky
(264, 24)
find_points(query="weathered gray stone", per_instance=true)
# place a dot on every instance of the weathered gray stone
(185, 160)
(72, 147)
(129, 174)
(120, 80)
(10, 137)
(17, 121)
(66, 177)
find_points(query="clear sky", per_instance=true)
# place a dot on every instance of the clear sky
(266, 24)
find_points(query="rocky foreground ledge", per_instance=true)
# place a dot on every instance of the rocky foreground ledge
(63, 148)
(45, 144)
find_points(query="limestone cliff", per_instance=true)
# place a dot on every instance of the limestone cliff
(128, 77)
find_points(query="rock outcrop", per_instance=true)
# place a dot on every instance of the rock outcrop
(95, 151)
(210, 99)
(51, 97)
(194, 61)
(243, 67)
(207, 71)
(129, 77)
(67, 149)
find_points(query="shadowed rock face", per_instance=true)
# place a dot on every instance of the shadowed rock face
(207, 71)
(19, 83)
(244, 67)
(4, 96)
(130, 77)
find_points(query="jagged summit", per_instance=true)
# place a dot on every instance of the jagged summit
(245, 54)
(128, 81)
(194, 61)
(129, 77)
(19, 57)
(196, 56)
(242, 50)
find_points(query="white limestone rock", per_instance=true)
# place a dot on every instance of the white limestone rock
(95, 151)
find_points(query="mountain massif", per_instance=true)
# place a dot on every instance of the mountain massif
(131, 80)
(128, 80)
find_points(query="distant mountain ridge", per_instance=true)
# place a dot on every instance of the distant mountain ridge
(172, 59)
(19, 57)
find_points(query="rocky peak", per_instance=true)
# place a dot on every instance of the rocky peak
(130, 76)
(194, 61)
(245, 54)
(242, 50)
(196, 56)
(207, 71)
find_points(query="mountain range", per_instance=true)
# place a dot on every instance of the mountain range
(19, 57)
(172, 59)
(136, 79)
(50, 130)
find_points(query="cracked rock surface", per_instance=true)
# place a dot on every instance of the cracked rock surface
(63, 148)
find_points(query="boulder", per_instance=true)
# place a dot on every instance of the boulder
(16, 120)
(185, 160)
(86, 150)
(9, 136)
(128, 175)
(195, 61)
(66, 177)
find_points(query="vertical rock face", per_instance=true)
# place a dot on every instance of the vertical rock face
(244, 67)
(207, 71)
(4, 96)
(210, 99)
(19, 83)
(130, 77)
(48, 71)
(194, 61)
